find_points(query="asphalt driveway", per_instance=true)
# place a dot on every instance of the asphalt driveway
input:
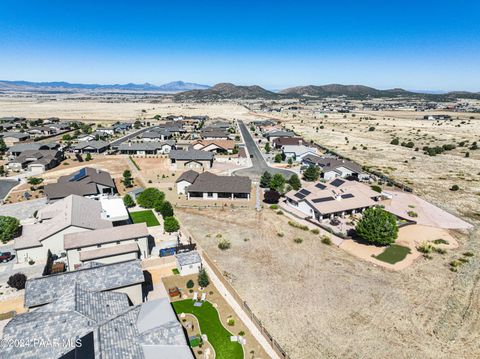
(259, 165)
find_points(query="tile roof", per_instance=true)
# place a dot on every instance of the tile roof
(45, 290)
(105, 235)
(146, 331)
(144, 146)
(209, 182)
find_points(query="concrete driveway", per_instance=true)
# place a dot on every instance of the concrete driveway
(259, 165)
(23, 210)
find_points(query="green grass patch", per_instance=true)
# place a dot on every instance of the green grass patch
(393, 254)
(147, 217)
(210, 324)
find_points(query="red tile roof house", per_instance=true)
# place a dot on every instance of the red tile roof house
(288, 141)
(209, 186)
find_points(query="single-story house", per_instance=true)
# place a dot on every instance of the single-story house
(207, 185)
(287, 141)
(107, 245)
(92, 147)
(156, 134)
(188, 262)
(214, 135)
(334, 167)
(90, 321)
(86, 182)
(36, 160)
(17, 149)
(335, 198)
(215, 146)
(146, 148)
(106, 131)
(114, 210)
(69, 215)
(191, 159)
(297, 152)
(11, 138)
(271, 136)
(186, 179)
(40, 131)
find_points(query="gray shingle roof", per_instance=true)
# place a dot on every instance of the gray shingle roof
(190, 176)
(45, 290)
(144, 146)
(209, 182)
(191, 155)
(187, 258)
(150, 330)
(94, 144)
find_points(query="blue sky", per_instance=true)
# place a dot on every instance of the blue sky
(411, 44)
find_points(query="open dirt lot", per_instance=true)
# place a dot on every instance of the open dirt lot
(103, 109)
(320, 302)
(430, 177)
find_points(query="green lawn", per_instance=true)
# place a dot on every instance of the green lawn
(393, 254)
(147, 217)
(210, 325)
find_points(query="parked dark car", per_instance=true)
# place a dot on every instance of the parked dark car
(5, 256)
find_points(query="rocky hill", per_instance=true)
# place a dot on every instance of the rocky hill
(227, 91)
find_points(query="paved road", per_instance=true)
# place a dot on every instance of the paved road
(129, 136)
(6, 186)
(259, 163)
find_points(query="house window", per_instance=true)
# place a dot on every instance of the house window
(210, 194)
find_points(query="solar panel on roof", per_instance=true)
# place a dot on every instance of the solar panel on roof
(299, 195)
(305, 192)
(348, 195)
(78, 176)
(323, 199)
(337, 182)
(321, 186)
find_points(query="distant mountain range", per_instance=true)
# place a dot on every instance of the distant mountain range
(170, 87)
(187, 91)
(230, 91)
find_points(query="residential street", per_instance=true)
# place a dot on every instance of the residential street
(259, 164)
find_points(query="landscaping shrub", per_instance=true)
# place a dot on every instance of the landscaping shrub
(128, 201)
(274, 206)
(280, 234)
(315, 231)
(224, 244)
(454, 188)
(440, 241)
(203, 280)
(412, 214)
(279, 212)
(298, 240)
(277, 182)
(271, 197)
(190, 284)
(171, 224)
(17, 281)
(376, 188)
(150, 197)
(164, 208)
(468, 254)
(326, 240)
(8, 227)
(311, 174)
(425, 247)
(231, 322)
(298, 225)
(377, 226)
(294, 182)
